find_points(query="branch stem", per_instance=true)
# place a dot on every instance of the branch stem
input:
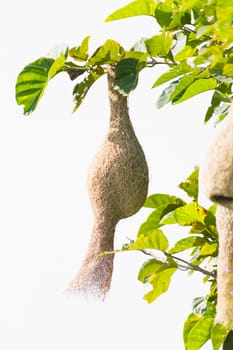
(153, 62)
(185, 264)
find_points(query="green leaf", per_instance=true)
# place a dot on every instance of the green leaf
(209, 113)
(163, 200)
(152, 222)
(149, 268)
(110, 52)
(33, 79)
(188, 325)
(141, 57)
(160, 282)
(190, 214)
(218, 335)
(186, 243)
(217, 72)
(165, 96)
(168, 220)
(199, 333)
(73, 70)
(199, 306)
(210, 220)
(228, 343)
(190, 185)
(211, 308)
(185, 53)
(164, 13)
(164, 204)
(81, 89)
(154, 239)
(212, 209)
(159, 45)
(170, 15)
(126, 78)
(180, 18)
(56, 67)
(135, 8)
(178, 70)
(204, 30)
(216, 100)
(222, 111)
(219, 108)
(221, 94)
(183, 84)
(228, 69)
(197, 87)
(187, 4)
(224, 11)
(80, 53)
(209, 249)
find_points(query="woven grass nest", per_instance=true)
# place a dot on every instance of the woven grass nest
(118, 185)
(218, 181)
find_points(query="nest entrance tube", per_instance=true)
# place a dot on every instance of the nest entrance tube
(118, 185)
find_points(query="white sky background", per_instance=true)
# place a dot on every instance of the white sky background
(46, 219)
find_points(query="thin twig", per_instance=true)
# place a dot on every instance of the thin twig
(186, 266)
(191, 266)
(153, 62)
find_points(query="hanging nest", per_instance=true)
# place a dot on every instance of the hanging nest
(218, 181)
(218, 172)
(118, 185)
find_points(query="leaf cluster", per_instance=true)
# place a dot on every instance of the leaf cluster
(194, 42)
(200, 247)
(201, 239)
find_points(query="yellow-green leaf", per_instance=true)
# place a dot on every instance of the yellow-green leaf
(197, 87)
(154, 239)
(149, 268)
(186, 243)
(178, 70)
(159, 45)
(32, 81)
(159, 200)
(56, 66)
(160, 282)
(190, 185)
(218, 335)
(110, 52)
(199, 334)
(189, 214)
(185, 53)
(188, 325)
(183, 84)
(209, 248)
(135, 8)
(80, 53)
(228, 69)
(82, 88)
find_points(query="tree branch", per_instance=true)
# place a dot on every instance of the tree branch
(185, 266)
(153, 62)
